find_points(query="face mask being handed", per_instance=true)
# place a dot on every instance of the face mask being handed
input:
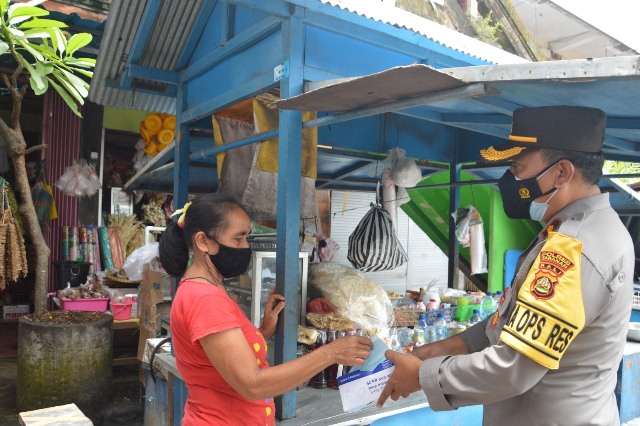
(518, 194)
(230, 261)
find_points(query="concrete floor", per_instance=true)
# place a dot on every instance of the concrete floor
(126, 407)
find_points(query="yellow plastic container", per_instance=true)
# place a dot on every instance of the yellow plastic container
(169, 122)
(153, 123)
(165, 136)
(151, 149)
(146, 135)
(162, 146)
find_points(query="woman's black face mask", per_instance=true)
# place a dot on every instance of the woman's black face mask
(231, 261)
(518, 194)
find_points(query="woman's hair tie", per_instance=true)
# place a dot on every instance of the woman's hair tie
(183, 214)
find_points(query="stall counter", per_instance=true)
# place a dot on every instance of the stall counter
(323, 407)
(314, 406)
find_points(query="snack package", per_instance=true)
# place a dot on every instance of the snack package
(353, 296)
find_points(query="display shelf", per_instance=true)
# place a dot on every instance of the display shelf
(251, 289)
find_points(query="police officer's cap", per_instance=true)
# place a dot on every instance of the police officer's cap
(569, 128)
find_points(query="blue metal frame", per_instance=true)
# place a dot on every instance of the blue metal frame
(288, 216)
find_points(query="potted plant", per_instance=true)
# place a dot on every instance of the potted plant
(67, 354)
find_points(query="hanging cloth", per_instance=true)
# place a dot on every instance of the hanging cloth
(262, 185)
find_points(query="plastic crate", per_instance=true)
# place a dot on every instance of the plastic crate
(464, 313)
(406, 317)
(449, 315)
(95, 305)
(409, 317)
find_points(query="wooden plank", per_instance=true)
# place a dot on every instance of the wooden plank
(62, 415)
(126, 324)
(130, 360)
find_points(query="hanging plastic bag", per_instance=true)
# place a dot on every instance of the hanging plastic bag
(42, 196)
(325, 249)
(42, 200)
(134, 264)
(405, 171)
(373, 245)
(79, 180)
(470, 233)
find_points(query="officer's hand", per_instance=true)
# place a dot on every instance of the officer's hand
(405, 378)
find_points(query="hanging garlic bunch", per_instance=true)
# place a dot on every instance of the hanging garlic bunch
(153, 213)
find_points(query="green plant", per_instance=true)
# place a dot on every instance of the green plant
(44, 55)
(485, 28)
(622, 167)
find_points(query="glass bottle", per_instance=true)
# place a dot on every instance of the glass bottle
(319, 381)
(339, 367)
(332, 371)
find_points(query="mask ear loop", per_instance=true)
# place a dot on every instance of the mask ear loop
(554, 187)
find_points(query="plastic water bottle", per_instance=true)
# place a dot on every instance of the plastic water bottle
(440, 327)
(488, 305)
(430, 334)
(419, 330)
(497, 297)
(475, 318)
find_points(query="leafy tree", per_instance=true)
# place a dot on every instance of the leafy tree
(43, 53)
(621, 167)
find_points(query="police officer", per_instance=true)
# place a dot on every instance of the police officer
(550, 353)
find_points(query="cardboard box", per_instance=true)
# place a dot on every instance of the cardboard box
(362, 386)
(146, 332)
(14, 311)
(148, 315)
(151, 286)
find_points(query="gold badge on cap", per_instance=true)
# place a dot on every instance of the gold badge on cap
(492, 154)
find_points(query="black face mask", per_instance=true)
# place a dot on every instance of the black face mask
(230, 261)
(517, 195)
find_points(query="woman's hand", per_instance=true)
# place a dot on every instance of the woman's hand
(349, 350)
(273, 307)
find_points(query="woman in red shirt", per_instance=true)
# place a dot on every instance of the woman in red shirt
(220, 354)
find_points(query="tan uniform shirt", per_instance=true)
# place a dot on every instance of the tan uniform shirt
(561, 370)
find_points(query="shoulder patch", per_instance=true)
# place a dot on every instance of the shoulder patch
(549, 310)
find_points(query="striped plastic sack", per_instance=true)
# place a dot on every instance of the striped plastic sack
(373, 245)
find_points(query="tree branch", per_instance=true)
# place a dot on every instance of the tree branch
(16, 96)
(34, 148)
(16, 73)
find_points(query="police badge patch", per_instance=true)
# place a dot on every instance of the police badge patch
(543, 285)
(551, 267)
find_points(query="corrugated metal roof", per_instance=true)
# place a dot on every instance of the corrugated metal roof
(383, 12)
(162, 52)
(173, 25)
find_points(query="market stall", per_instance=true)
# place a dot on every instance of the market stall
(440, 118)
